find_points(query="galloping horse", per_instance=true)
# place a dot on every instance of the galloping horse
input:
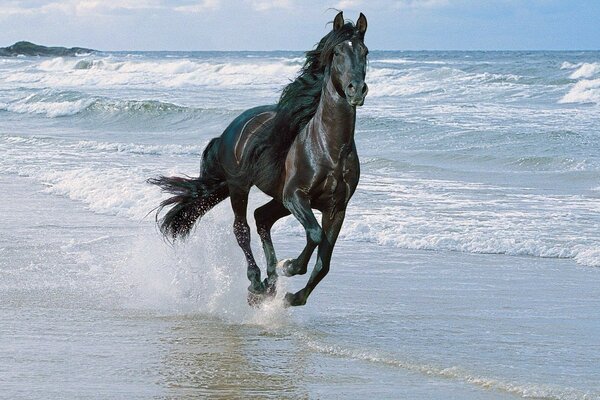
(300, 152)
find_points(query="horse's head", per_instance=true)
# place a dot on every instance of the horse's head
(349, 62)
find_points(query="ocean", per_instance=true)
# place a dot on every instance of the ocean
(468, 266)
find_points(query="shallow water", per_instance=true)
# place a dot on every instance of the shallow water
(467, 268)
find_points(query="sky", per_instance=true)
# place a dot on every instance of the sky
(299, 24)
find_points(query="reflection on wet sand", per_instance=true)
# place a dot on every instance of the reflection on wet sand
(210, 358)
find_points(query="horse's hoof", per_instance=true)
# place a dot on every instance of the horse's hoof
(283, 265)
(294, 300)
(288, 267)
(271, 289)
(255, 299)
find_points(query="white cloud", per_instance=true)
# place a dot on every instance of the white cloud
(97, 7)
(417, 4)
(265, 5)
(389, 4)
(83, 7)
(348, 4)
(199, 7)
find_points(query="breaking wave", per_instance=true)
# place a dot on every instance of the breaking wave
(587, 89)
(526, 390)
(53, 104)
(111, 71)
(584, 91)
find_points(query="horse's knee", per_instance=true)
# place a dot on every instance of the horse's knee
(322, 268)
(315, 235)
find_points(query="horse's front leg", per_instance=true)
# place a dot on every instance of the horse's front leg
(298, 203)
(332, 223)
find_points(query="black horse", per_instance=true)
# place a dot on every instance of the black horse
(300, 152)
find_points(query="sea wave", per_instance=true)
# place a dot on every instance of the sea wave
(582, 69)
(266, 76)
(52, 145)
(51, 109)
(584, 91)
(522, 389)
(399, 212)
(586, 70)
(111, 71)
(112, 191)
(471, 218)
(55, 103)
(442, 80)
(587, 88)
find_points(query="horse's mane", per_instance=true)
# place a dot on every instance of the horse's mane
(299, 100)
(297, 105)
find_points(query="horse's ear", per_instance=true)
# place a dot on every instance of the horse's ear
(338, 22)
(361, 25)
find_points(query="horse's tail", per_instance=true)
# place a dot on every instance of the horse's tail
(192, 197)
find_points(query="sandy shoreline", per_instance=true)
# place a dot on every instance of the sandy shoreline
(387, 324)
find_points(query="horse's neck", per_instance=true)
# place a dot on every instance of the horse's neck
(333, 123)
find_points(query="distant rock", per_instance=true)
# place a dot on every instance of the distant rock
(31, 49)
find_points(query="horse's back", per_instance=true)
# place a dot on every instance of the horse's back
(240, 132)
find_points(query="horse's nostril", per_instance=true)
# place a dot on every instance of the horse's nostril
(364, 88)
(350, 90)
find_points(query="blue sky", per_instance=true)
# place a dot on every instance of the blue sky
(298, 25)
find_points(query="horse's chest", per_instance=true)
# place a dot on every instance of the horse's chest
(341, 181)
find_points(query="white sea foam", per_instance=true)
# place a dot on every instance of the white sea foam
(391, 82)
(51, 109)
(446, 81)
(432, 215)
(200, 276)
(586, 70)
(111, 147)
(114, 191)
(526, 390)
(108, 72)
(456, 216)
(584, 91)
(446, 216)
(407, 61)
(56, 103)
(569, 65)
(133, 148)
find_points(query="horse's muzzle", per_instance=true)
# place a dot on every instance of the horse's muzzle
(356, 93)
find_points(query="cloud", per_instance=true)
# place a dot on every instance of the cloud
(390, 4)
(265, 5)
(84, 7)
(199, 7)
(348, 4)
(417, 4)
(98, 7)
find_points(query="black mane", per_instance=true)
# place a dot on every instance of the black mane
(297, 105)
(299, 100)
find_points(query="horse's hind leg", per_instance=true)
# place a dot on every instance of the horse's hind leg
(265, 217)
(239, 203)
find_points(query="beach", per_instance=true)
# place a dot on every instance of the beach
(468, 266)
